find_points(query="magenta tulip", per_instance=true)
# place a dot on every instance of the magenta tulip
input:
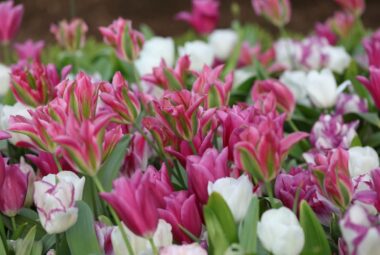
(29, 50)
(372, 84)
(10, 20)
(70, 34)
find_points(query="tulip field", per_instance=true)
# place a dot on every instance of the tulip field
(223, 140)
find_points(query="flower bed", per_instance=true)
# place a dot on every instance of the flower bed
(221, 141)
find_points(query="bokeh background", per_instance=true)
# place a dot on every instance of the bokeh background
(158, 14)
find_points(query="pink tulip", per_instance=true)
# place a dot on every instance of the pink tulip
(209, 84)
(135, 204)
(45, 163)
(284, 97)
(169, 78)
(87, 144)
(276, 11)
(203, 17)
(356, 7)
(10, 20)
(372, 47)
(372, 84)
(35, 84)
(137, 156)
(323, 30)
(81, 95)
(121, 99)
(181, 211)
(13, 188)
(29, 50)
(208, 168)
(70, 34)
(333, 177)
(161, 181)
(121, 36)
(342, 23)
(178, 112)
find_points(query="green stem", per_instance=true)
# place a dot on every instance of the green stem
(268, 187)
(154, 248)
(6, 53)
(137, 77)
(115, 217)
(296, 199)
(13, 222)
(57, 163)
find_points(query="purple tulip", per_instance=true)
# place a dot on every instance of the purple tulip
(350, 103)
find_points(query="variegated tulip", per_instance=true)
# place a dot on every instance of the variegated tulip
(70, 34)
(356, 7)
(276, 11)
(123, 38)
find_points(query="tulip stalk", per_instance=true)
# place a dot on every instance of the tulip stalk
(154, 248)
(6, 53)
(268, 187)
(115, 217)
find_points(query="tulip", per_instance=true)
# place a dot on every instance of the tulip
(70, 34)
(362, 160)
(188, 249)
(28, 171)
(208, 84)
(168, 78)
(284, 97)
(126, 41)
(200, 54)
(203, 17)
(372, 84)
(342, 23)
(355, 7)
(337, 59)
(350, 103)
(56, 205)
(87, 144)
(276, 11)
(121, 100)
(5, 79)
(129, 198)
(178, 111)
(360, 231)
(154, 51)
(13, 188)
(325, 31)
(138, 155)
(366, 191)
(331, 132)
(6, 112)
(332, 173)
(296, 81)
(297, 185)
(181, 211)
(237, 193)
(162, 237)
(45, 163)
(29, 50)
(280, 232)
(223, 41)
(35, 84)
(103, 234)
(11, 16)
(372, 48)
(208, 168)
(69, 177)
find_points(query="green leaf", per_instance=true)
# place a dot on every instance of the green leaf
(218, 242)
(81, 237)
(356, 142)
(369, 117)
(37, 248)
(316, 242)
(110, 169)
(24, 247)
(2, 248)
(248, 227)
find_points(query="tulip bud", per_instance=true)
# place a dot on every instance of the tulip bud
(372, 48)
(360, 231)
(123, 38)
(13, 188)
(341, 23)
(55, 197)
(236, 192)
(162, 237)
(356, 7)
(203, 17)
(70, 34)
(183, 250)
(29, 50)
(372, 84)
(200, 54)
(11, 16)
(283, 226)
(362, 160)
(276, 11)
(223, 41)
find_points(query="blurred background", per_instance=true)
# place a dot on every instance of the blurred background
(158, 14)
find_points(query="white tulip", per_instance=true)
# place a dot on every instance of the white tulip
(5, 79)
(200, 54)
(223, 41)
(187, 249)
(296, 82)
(141, 246)
(153, 51)
(337, 58)
(6, 111)
(280, 232)
(69, 177)
(288, 53)
(362, 160)
(55, 205)
(322, 88)
(236, 192)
